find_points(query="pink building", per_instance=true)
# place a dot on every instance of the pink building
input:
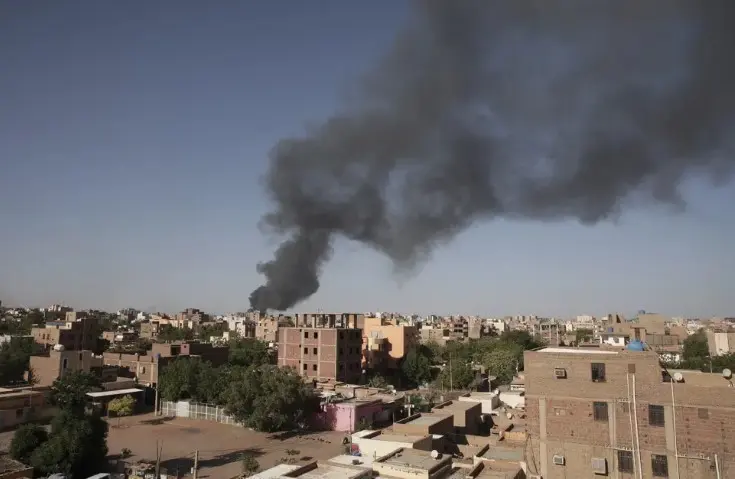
(352, 414)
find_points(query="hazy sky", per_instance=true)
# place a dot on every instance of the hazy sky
(133, 136)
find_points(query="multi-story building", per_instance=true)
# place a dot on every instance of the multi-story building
(720, 343)
(322, 353)
(384, 345)
(192, 316)
(46, 368)
(329, 320)
(79, 331)
(618, 413)
(145, 367)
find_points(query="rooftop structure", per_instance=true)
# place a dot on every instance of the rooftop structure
(413, 463)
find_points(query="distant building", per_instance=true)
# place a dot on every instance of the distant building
(720, 343)
(322, 353)
(384, 345)
(77, 332)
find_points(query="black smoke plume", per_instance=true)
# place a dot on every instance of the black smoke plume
(529, 109)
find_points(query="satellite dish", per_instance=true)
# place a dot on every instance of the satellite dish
(678, 377)
(726, 373)
(435, 454)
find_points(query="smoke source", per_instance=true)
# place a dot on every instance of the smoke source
(528, 109)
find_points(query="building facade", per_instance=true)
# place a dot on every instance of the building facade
(77, 332)
(618, 413)
(322, 353)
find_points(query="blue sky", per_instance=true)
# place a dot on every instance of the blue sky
(133, 136)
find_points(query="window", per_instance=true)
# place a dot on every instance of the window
(315, 350)
(703, 413)
(599, 410)
(598, 372)
(316, 335)
(306, 335)
(80, 356)
(655, 415)
(341, 335)
(19, 413)
(341, 351)
(625, 407)
(306, 350)
(313, 367)
(64, 363)
(659, 466)
(142, 371)
(304, 367)
(625, 461)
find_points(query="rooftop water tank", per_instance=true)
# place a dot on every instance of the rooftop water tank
(636, 345)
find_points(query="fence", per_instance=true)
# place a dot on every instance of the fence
(193, 410)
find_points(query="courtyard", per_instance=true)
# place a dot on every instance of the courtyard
(220, 446)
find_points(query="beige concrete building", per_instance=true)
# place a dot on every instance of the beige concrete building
(412, 464)
(425, 424)
(20, 405)
(618, 413)
(77, 332)
(467, 416)
(379, 443)
(384, 344)
(47, 368)
(720, 343)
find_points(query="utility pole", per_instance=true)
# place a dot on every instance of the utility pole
(159, 449)
(155, 407)
(196, 464)
(451, 383)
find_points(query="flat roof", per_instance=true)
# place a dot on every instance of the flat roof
(118, 392)
(427, 419)
(329, 471)
(412, 458)
(275, 472)
(365, 462)
(458, 405)
(398, 438)
(576, 351)
(495, 453)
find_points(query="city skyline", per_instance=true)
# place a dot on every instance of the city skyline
(135, 146)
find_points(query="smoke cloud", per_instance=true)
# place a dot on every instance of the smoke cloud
(528, 109)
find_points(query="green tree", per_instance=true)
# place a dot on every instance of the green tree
(179, 379)
(583, 335)
(377, 381)
(213, 329)
(250, 352)
(122, 406)
(70, 390)
(77, 445)
(522, 339)
(269, 398)
(169, 334)
(416, 367)
(695, 346)
(435, 352)
(457, 374)
(501, 362)
(27, 438)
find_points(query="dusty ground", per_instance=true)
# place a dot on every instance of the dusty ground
(220, 446)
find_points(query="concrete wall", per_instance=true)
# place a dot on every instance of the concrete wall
(370, 447)
(487, 401)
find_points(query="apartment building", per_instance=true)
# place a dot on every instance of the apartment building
(145, 367)
(329, 320)
(617, 413)
(78, 331)
(322, 353)
(57, 362)
(384, 344)
(720, 343)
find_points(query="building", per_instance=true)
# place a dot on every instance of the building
(424, 424)
(719, 343)
(384, 345)
(322, 353)
(145, 367)
(619, 413)
(413, 463)
(119, 337)
(329, 320)
(191, 317)
(77, 332)
(467, 416)
(57, 362)
(315, 470)
(379, 443)
(20, 405)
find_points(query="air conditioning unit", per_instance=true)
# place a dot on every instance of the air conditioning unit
(558, 460)
(560, 373)
(599, 465)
